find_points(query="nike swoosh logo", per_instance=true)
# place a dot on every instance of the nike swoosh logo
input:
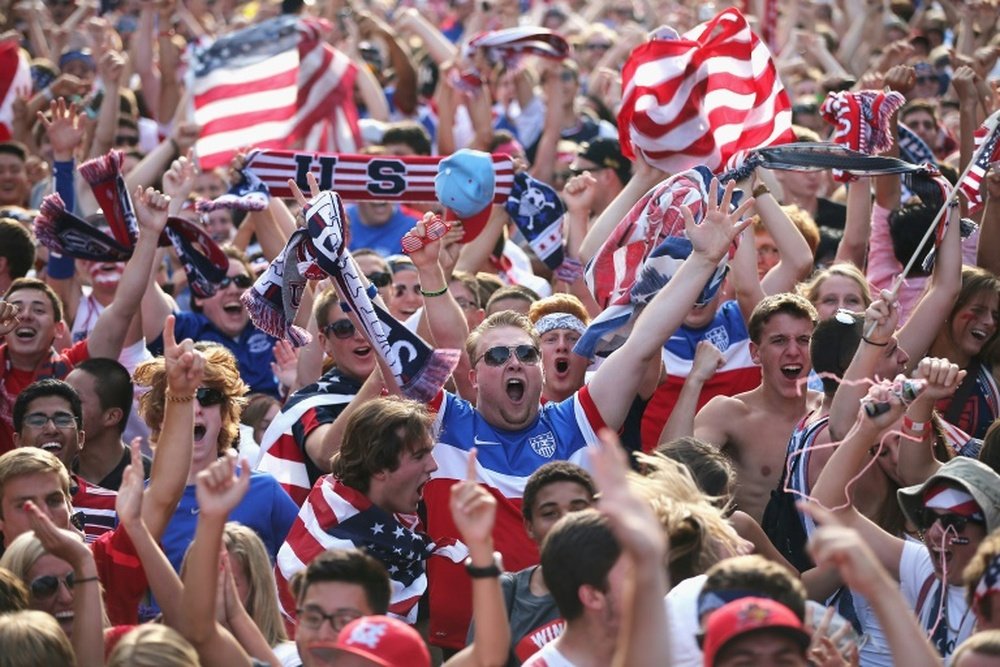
(477, 441)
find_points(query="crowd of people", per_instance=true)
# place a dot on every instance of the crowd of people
(697, 420)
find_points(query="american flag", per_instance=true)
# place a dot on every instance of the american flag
(987, 139)
(273, 85)
(702, 97)
(280, 454)
(336, 516)
(15, 78)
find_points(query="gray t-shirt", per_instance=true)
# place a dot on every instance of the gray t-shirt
(534, 620)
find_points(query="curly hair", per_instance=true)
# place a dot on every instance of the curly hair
(558, 303)
(221, 372)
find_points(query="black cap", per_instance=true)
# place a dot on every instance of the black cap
(834, 342)
(607, 153)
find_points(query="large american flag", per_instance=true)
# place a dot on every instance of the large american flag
(987, 150)
(273, 85)
(703, 97)
(336, 516)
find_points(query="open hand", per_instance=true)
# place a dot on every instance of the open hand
(60, 542)
(64, 129)
(713, 236)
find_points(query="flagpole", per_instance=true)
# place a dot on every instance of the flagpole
(991, 124)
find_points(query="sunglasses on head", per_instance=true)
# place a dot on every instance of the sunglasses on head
(927, 517)
(379, 278)
(207, 397)
(242, 281)
(46, 586)
(342, 329)
(498, 356)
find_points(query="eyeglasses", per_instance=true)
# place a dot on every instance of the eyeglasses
(126, 140)
(59, 419)
(596, 46)
(207, 397)
(498, 356)
(46, 586)
(926, 518)
(380, 278)
(342, 329)
(314, 618)
(242, 281)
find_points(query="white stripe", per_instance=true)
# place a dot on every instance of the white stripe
(286, 418)
(221, 142)
(265, 69)
(736, 357)
(230, 107)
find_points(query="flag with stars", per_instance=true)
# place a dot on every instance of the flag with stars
(276, 84)
(987, 151)
(336, 516)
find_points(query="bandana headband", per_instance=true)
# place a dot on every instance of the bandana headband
(947, 498)
(559, 321)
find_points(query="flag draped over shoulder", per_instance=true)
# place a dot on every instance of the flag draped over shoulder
(701, 98)
(276, 84)
(338, 516)
(987, 150)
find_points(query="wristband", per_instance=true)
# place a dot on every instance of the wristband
(871, 342)
(437, 292)
(916, 427)
(490, 571)
(761, 190)
(174, 398)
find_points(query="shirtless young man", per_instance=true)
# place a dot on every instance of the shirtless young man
(753, 427)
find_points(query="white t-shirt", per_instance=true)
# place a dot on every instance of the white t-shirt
(549, 656)
(682, 622)
(915, 567)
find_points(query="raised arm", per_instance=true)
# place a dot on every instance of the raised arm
(112, 325)
(218, 490)
(796, 258)
(853, 246)
(916, 461)
(111, 69)
(614, 385)
(474, 509)
(707, 360)
(185, 368)
(833, 486)
(988, 252)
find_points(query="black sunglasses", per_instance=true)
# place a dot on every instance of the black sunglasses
(927, 517)
(342, 329)
(380, 278)
(498, 356)
(46, 586)
(126, 140)
(242, 281)
(207, 397)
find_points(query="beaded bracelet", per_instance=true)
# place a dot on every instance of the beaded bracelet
(174, 398)
(871, 342)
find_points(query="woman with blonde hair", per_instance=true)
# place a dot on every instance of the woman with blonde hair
(153, 645)
(30, 638)
(254, 578)
(841, 286)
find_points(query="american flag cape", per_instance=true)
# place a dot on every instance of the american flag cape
(703, 97)
(987, 150)
(15, 77)
(280, 454)
(273, 85)
(336, 516)
(640, 256)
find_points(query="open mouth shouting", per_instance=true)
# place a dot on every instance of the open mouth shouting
(515, 389)
(792, 371)
(199, 432)
(25, 333)
(233, 308)
(362, 351)
(561, 366)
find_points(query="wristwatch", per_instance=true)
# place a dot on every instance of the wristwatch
(494, 570)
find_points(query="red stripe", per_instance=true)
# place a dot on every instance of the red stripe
(227, 90)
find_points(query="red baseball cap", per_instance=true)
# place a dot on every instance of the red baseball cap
(740, 617)
(384, 640)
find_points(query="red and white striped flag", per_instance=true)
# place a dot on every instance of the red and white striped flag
(336, 516)
(702, 97)
(987, 150)
(15, 78)
(273, 85)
